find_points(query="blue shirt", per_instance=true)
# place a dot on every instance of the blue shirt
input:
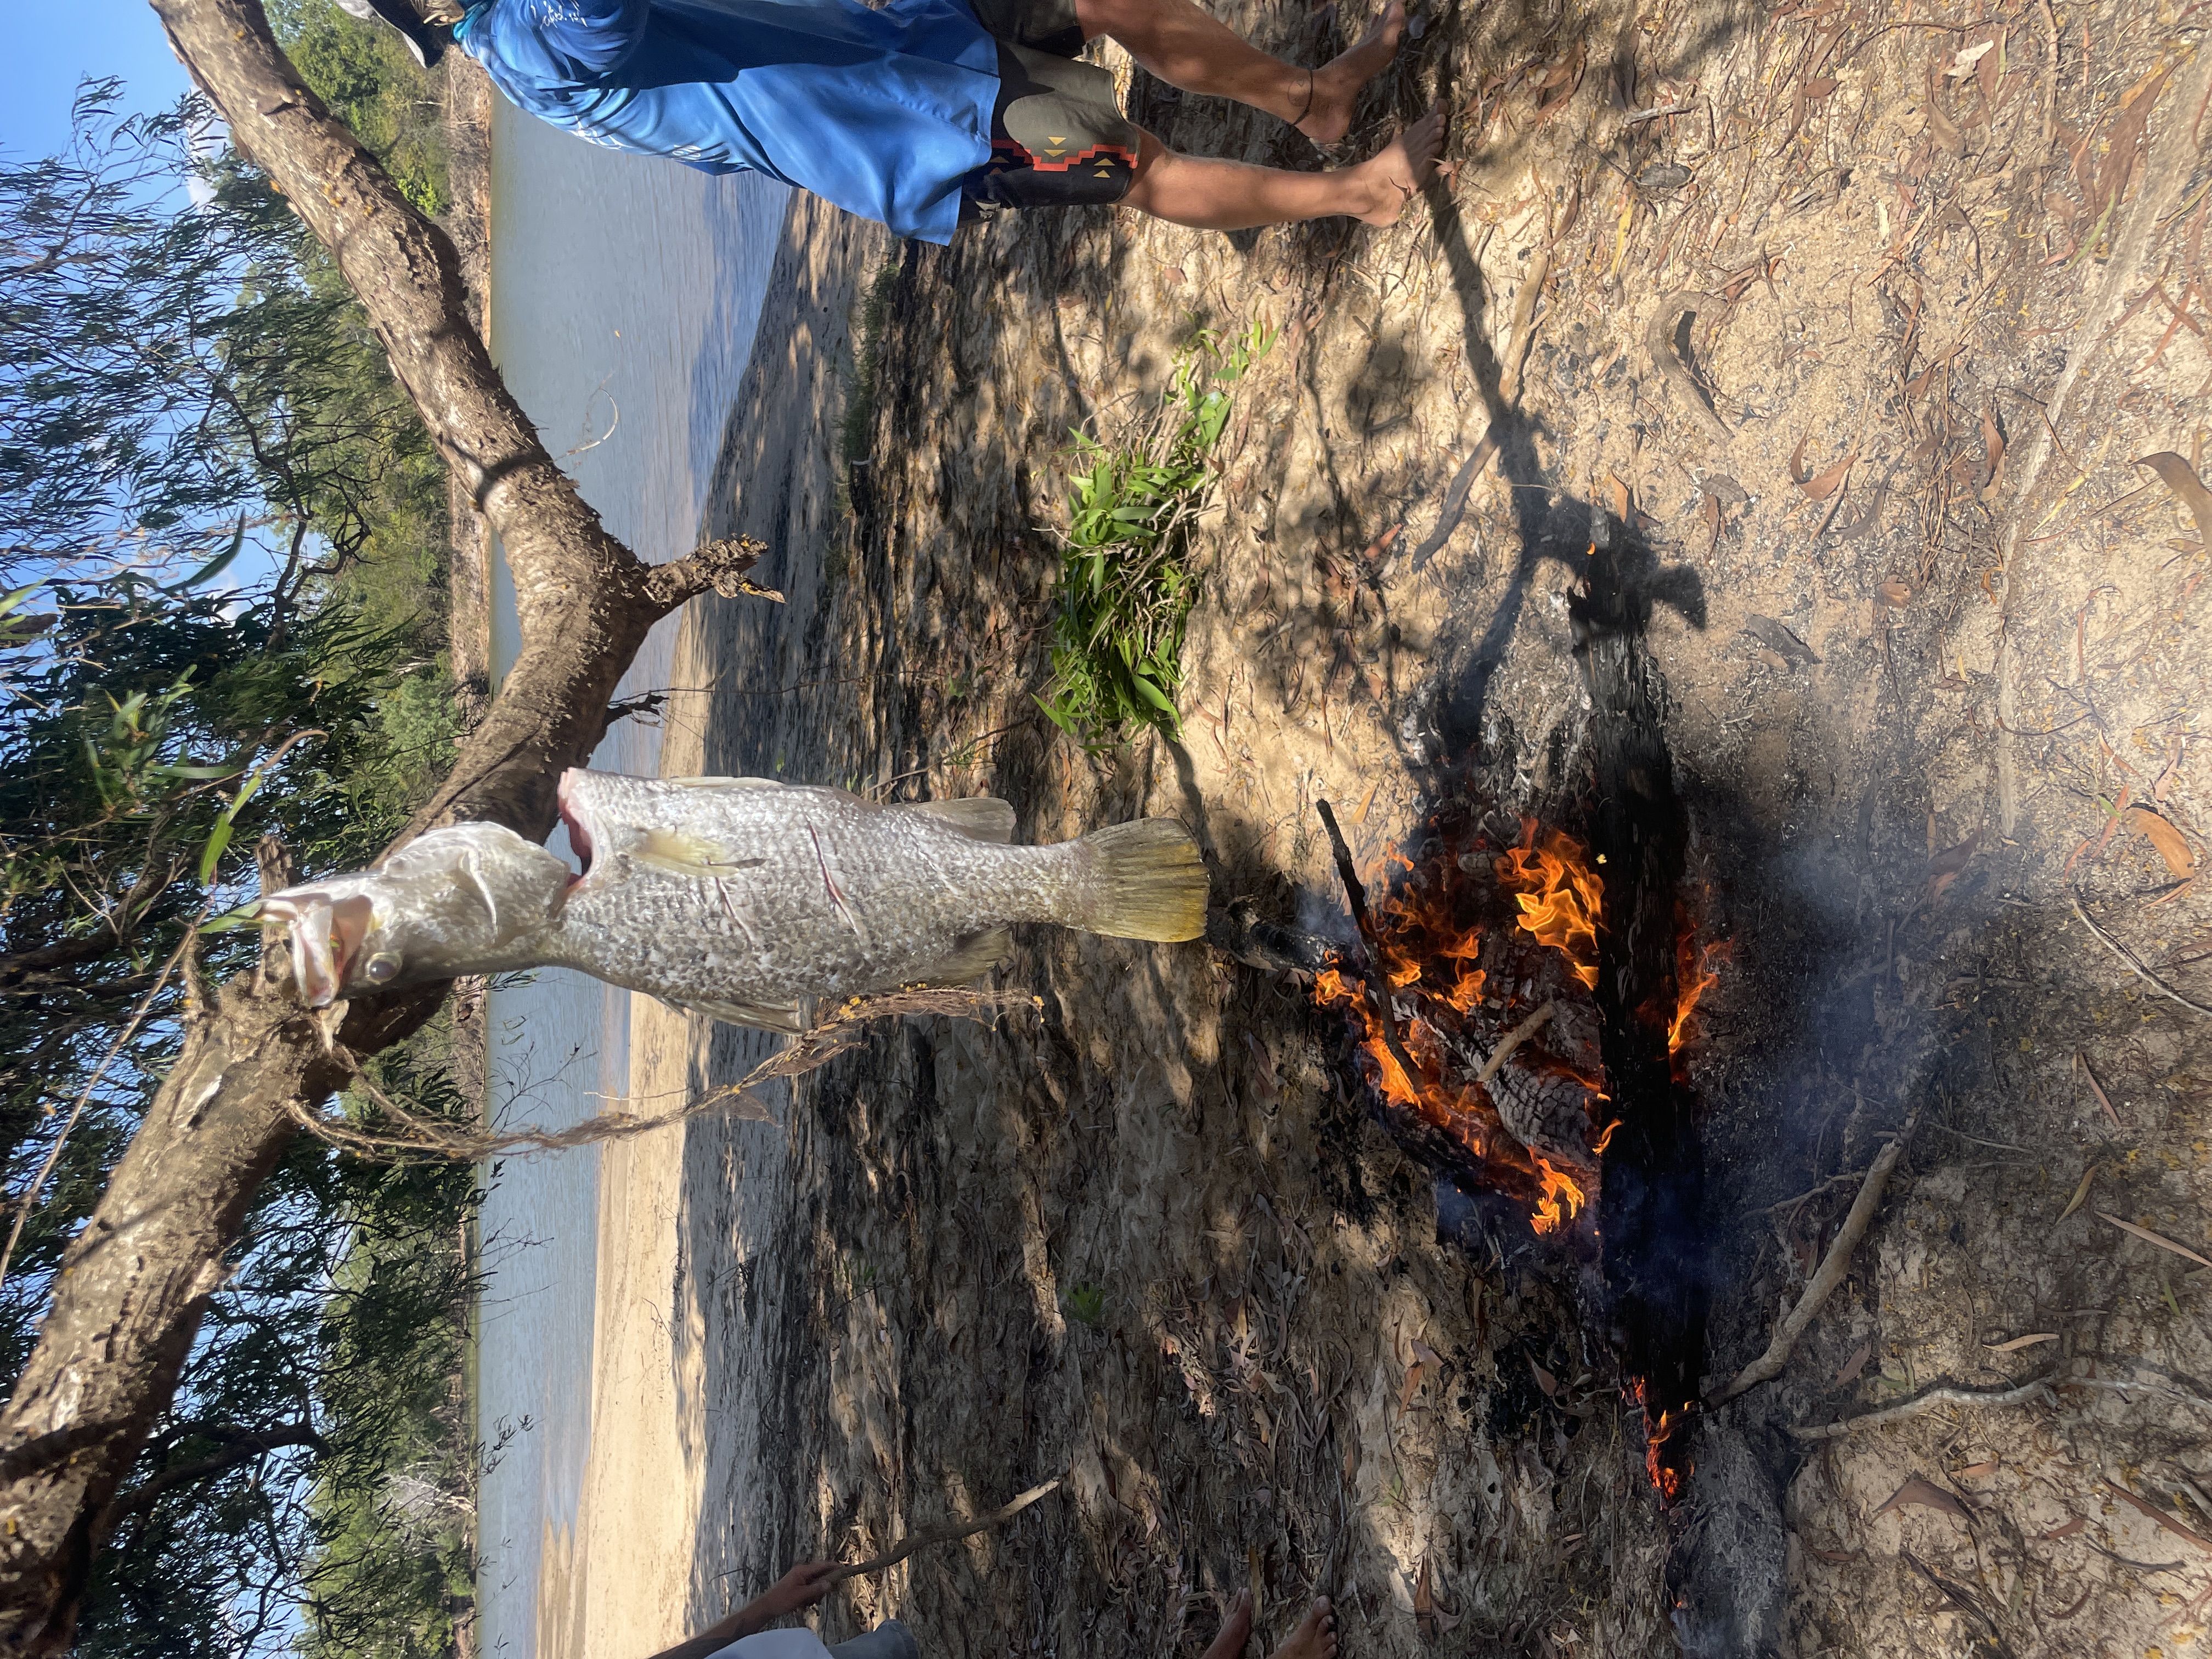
(883, 112)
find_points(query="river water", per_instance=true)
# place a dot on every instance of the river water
(624, 292)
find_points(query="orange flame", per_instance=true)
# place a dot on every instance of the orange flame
(1667, 1479)
(1559, 894)
(1562, 1199)
(1694, 969)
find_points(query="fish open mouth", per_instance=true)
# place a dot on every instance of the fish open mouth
(579, 823)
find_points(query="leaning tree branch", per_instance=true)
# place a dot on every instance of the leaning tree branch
(241, 1450)
(134, 1284)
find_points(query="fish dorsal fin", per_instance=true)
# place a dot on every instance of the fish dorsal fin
(677, 854)
(985, 819)
(763, 1016)
(725, 783)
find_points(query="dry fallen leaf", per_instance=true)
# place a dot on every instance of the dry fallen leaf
(1974, 1472)
(2020, 1342)
(1623, 504)
(1776, 637)
(1381, 545)
(2178, 477)
(1427, 1355)
(1993, 442)
(1412, 1382)
(1816, 90)
(1546, 1380)
(2159, 1515)
(1833, 1557)
(1263, 1062)
(2066, 1531)
(2159, 830)
(1822, 486)
(2081, 1193)
(2098, 1090)
(1712, 510)
(1927, 1494)
(2150, 1238)
(1854, 1365)
(1963, 64)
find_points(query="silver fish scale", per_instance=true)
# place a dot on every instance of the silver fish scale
(811, 893)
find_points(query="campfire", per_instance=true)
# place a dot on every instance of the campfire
(1473, 1007)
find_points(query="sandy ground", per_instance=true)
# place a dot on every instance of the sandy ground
(1153, 1238)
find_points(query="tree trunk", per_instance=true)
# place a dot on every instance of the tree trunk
(133, 1284)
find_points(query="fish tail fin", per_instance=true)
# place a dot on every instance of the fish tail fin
(1146, 880)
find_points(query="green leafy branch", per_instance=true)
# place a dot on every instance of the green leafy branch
(1126, 583)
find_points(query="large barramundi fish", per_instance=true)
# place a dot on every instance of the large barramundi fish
(743, 898)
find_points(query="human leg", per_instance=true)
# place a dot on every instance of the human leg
(1209, 195)
(1190, 48)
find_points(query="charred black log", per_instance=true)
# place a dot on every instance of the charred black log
(1654, 1166)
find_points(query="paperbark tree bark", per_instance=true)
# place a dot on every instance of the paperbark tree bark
(133, 1285)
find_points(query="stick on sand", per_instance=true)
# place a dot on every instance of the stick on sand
(944, 1532)
(1833, 1267)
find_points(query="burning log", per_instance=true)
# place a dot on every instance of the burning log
(1378, 989)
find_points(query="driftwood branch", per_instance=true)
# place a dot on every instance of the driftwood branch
(944, 1532)
(1948, 1395)
(1378, 989)
(1833, 1267)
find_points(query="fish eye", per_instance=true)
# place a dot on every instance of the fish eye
(382, 968)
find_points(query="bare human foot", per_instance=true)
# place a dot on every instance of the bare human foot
(1336, 83)
(1380, 188)
(1314, 1638)
(1236, 1629)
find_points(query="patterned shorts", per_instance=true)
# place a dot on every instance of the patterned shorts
(1058, 136)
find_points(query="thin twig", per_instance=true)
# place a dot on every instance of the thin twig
(409, 1133)
(944, 1532)
(1833, 1266)
(1378, 989)
(1512, 1039)
(130, 1029)
(2135, 962)
(1947, 1395)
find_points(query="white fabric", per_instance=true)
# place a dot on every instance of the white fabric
(797, 1643)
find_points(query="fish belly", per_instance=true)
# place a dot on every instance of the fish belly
(796, 894)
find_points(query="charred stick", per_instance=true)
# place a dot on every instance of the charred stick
(1378, 989)
(1512, 1039)
(943, 1533)
(1833, 1266)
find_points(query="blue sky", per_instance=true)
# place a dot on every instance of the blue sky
(54, 44)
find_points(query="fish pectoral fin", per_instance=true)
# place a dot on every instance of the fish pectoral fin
(972, 958)
(762, 1017)
(985, 819)
(725, 783)
(680, 854)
